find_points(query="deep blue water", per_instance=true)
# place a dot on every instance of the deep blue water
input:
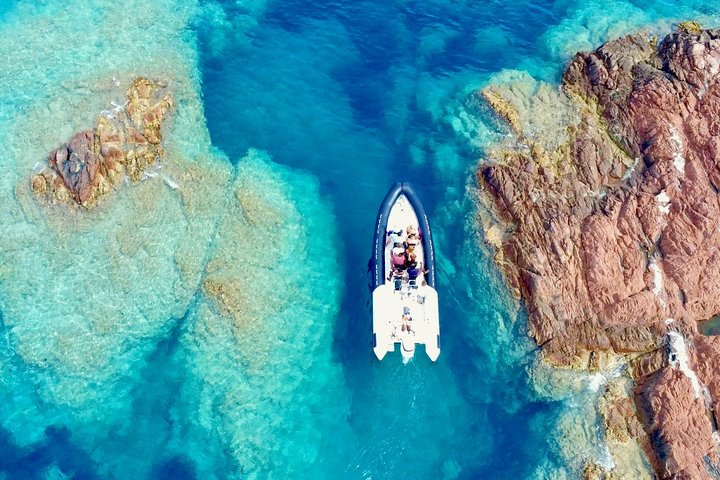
(355, 94)
(334, 89)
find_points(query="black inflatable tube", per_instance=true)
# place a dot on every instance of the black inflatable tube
(378, 256)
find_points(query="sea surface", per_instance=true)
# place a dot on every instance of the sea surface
(116, 366)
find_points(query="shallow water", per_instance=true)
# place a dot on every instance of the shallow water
(344, 98)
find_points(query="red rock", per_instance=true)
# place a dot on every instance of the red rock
(608, 259)
(677, 424)
(77, 165)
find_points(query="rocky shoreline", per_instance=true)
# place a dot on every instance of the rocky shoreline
(609, 231)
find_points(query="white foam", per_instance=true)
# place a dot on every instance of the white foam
(658, 280)
(678, 150)
(663, 202)
(171, 183)
(678, 359)
(605, 458)
(112, 112)
(596, 380)
(599, 379)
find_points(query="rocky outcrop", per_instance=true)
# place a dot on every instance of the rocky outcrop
(124, 141)
(612, 236)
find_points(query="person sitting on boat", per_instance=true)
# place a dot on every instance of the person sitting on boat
(397, 278)
(406, 323)
(413, 230)
(398, 257)
(395, 237)
(413, 237)
(412, 266)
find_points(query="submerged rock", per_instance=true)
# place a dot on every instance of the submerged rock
(125, 141)
(256, 316)
(611, 237)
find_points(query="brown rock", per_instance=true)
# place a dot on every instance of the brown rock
(95, 161)
(648, 364)
(502, 108)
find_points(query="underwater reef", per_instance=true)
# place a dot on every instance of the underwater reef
(145, 278)
(603, 206)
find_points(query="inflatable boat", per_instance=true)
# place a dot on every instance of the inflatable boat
(405, 303)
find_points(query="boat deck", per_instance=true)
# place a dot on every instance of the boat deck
(402, 215)
(420, 329)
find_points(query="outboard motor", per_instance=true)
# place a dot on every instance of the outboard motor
(407, 347)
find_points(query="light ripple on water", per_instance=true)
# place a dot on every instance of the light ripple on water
(360, 94)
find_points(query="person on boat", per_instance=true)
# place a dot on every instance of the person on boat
(413, 230)
(399, 257)
(396, 276)
(395, 237)
(412, 266)
(413, 236)
(406, 322)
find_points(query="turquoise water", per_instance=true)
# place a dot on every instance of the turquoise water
(293, 119)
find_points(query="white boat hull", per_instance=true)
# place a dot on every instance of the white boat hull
(405, 311)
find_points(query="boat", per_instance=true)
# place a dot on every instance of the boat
(405, 302)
